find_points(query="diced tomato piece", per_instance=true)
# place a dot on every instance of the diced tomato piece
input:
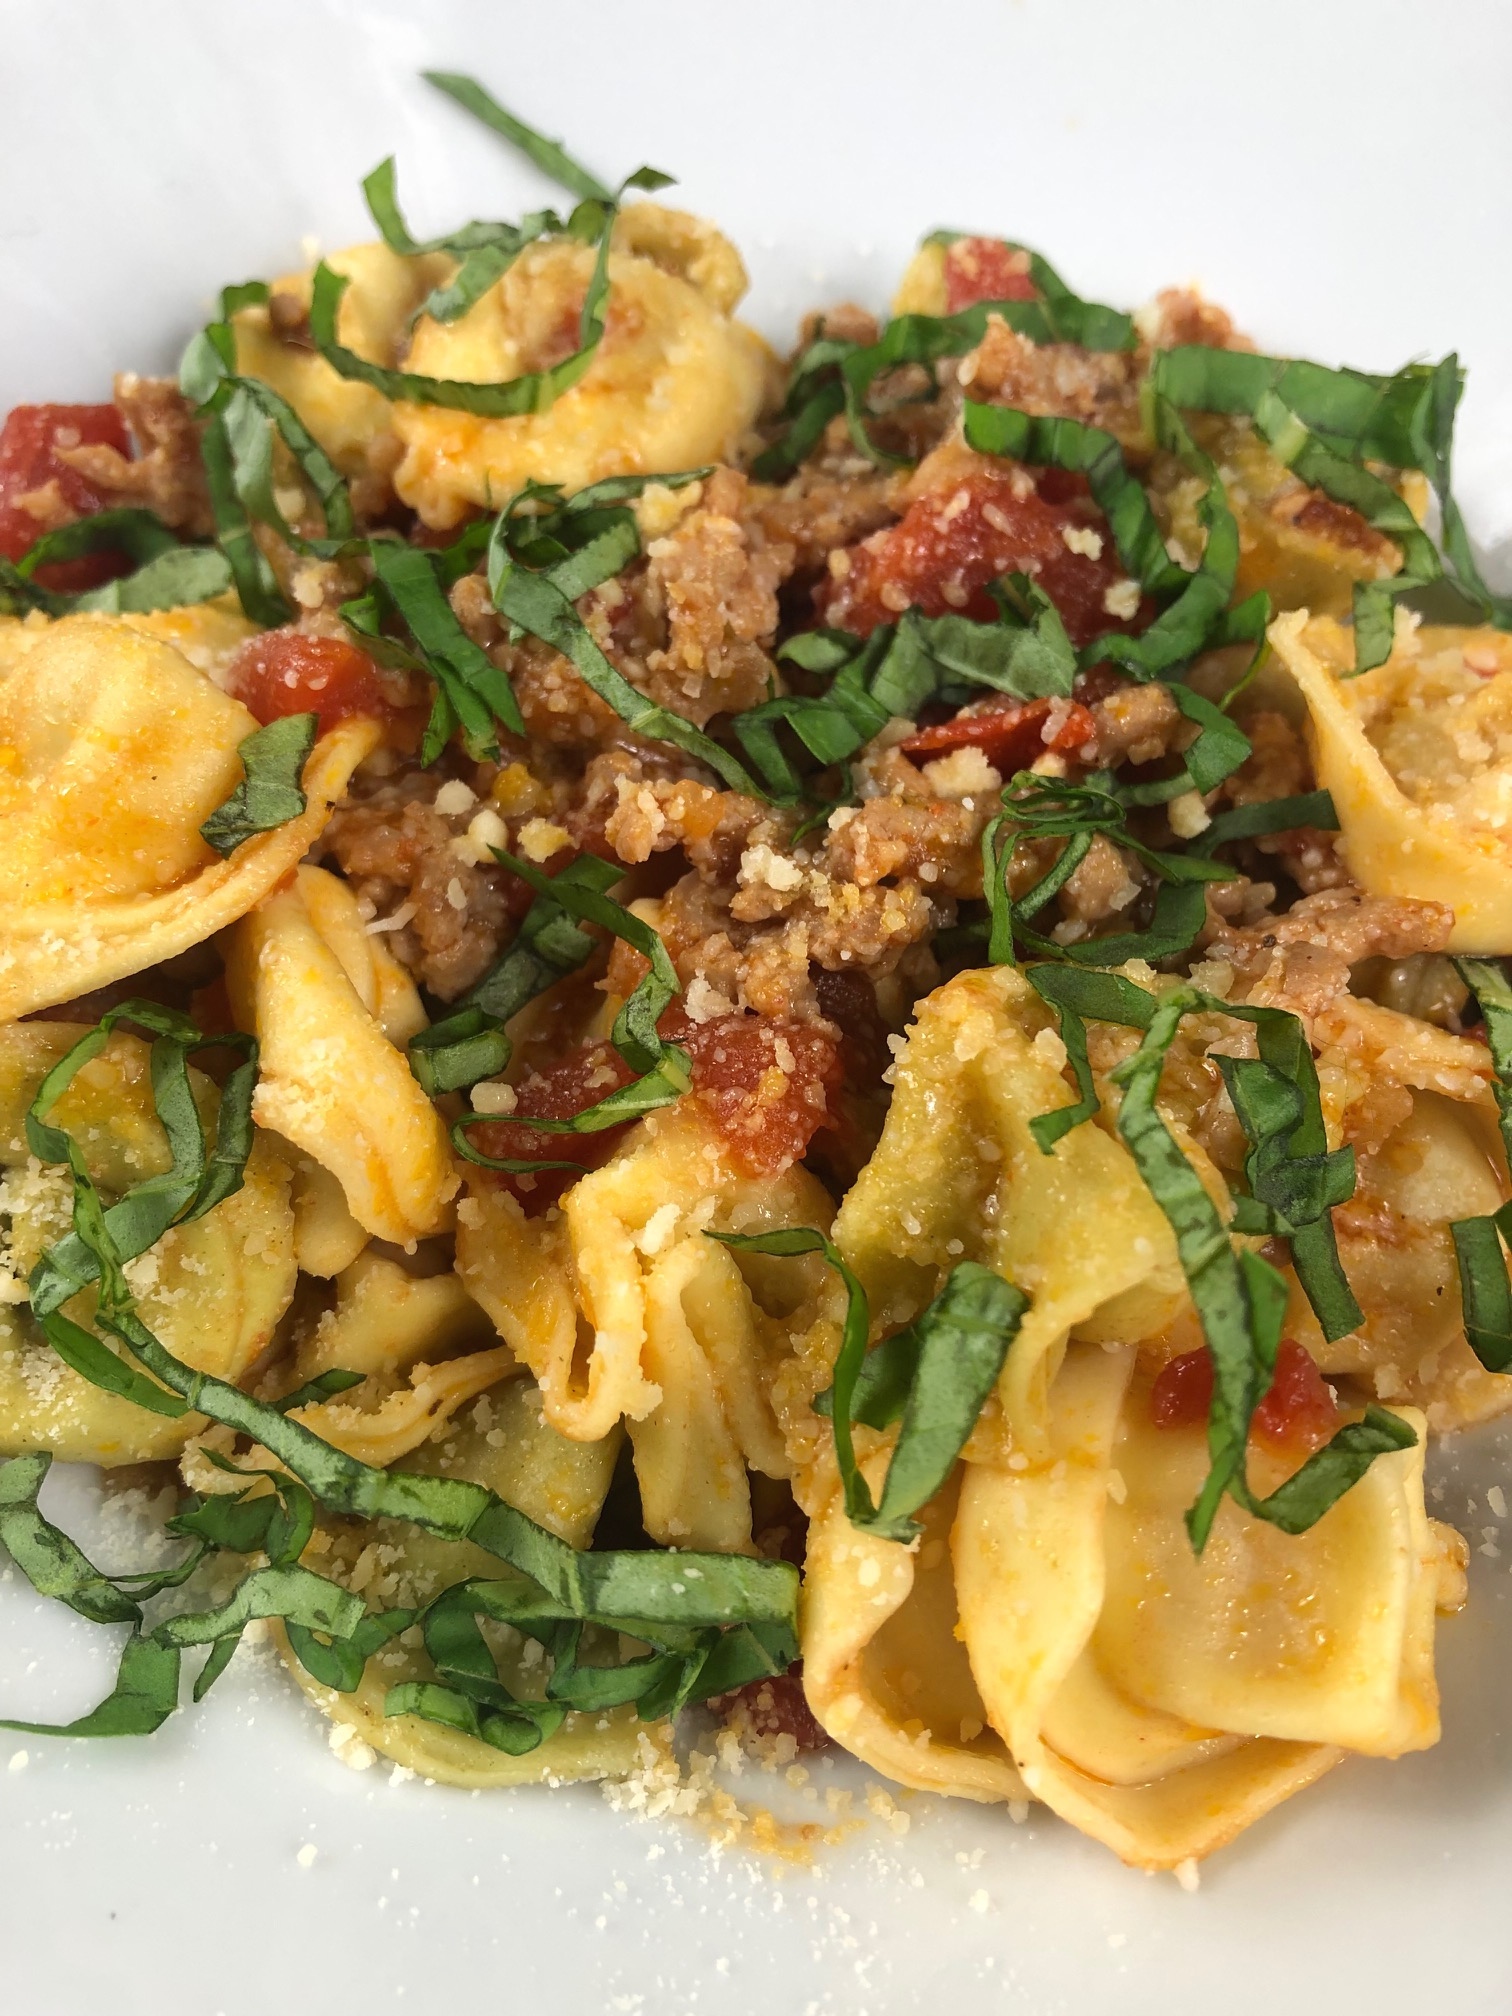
(1298, 1412)
(566, 1086)
(39, 491)
(775, 1707)
(1183, 1391)
(763, 1083)
(1010, 733)
(949, 544)
(985, 269)
(285, 672)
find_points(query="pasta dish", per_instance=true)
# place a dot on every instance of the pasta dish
(821, 1041)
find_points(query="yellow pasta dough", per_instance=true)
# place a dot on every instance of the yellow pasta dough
(212, 1290)
(113, 750)
(1163, 1701)
(331, 1081)
(1418, 757)
(624, 1310)
(957, 1175)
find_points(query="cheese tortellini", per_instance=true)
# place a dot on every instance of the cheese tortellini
(214, 1290)
(674, 384)
(114, 749)
(623, 1309)
(331, 1080)
(958, 1176)
(505, 1442)
(1418, 757)
(1054, 1635)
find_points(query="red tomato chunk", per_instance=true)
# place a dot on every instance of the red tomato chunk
(985, 269)
(948, 545)
(775, 1707)
(39, 491)
(1010, 733)
(1298, 1413)
(764, 1084)
(285, 672)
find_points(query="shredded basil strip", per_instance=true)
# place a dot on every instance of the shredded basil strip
(664, 1070)
(1322, 425)
(936, 1375)
(532, 391)
(1240, 1298)
(836, 375)
(548, 155)
(485, 252)
(538, 599)
(167, 575)
(1268, 815)
(471, 691)
(1485, 1289)
(271, 793)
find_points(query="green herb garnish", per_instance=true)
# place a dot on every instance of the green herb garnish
(936, 1375)
(271, 793)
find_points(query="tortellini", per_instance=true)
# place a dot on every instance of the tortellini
(353, 422)
(884, 1669)
(1418, 757)
(331, 1081)
(113, 750)
(674, 384)
(505, 1442)
(404, 1332)
(958, 1176)
(622, 1309)
(1159, 1700)
(212, 1290)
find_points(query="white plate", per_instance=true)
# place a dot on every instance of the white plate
(1339, 178)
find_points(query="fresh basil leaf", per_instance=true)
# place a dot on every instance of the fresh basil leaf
(937, 1373)
(144, 1696)
(1269, 815)
(49, 1560)
(548, 155)
(271, 793)
(477, 692)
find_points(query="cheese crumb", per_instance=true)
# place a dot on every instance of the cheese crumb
(1188, 815)
(455, 798)
(979, 1900)
(306, 1856)
(1121, 601)
(541, 838)
(763, 867)
(19, 1760)
(493, 1097)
